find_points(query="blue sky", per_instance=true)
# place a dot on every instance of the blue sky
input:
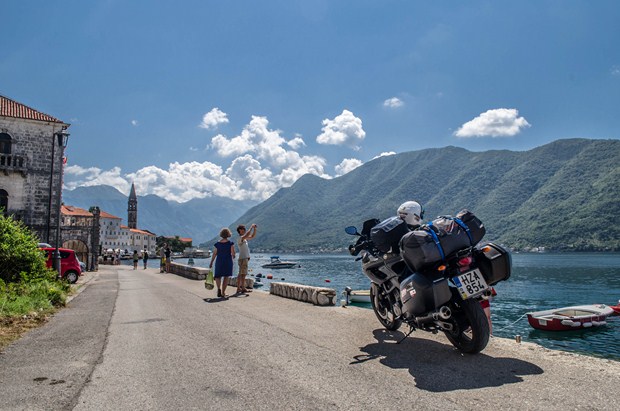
(240, 98)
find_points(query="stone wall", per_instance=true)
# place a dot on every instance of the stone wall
(200, 273)
(249, 282)
(189, 271)
(309, 294)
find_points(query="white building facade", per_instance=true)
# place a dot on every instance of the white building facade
(110, 233)
(142, 240)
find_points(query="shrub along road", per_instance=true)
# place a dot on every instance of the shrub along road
(144, 340)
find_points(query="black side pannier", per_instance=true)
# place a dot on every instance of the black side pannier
(494, 262)
(433, 242)
(388, 233)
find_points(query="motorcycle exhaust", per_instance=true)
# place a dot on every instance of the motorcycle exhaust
(443, 313)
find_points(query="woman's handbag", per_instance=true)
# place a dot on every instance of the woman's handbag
(209, 280)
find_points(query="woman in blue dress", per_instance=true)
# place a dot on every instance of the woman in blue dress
(223, 255)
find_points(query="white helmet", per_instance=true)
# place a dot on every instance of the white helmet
(411, 212)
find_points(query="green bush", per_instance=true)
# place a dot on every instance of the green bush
(20, 257)
(26, 284)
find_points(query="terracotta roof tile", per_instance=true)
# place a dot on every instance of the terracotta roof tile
(108, 215)
(183, 239)
(138, 231)
(76, 211)
(11, 108)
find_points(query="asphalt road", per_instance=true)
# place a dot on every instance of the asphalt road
(140, 340)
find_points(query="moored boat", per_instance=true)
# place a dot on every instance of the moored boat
(616, 308)
(570, 318)
(277, 263)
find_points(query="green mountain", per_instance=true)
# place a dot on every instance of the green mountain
(561, 196)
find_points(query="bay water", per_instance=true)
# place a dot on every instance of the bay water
(539, 281)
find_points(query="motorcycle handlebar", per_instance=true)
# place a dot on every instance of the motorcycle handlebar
(355, 249)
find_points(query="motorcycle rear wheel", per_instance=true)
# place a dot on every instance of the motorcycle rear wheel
(471, 327)
(383, 309)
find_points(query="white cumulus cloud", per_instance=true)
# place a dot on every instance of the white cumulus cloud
(75, 176)
(231, 147)
(296, 143)
(347, 165)
(345, 129)
(385, 154)
(260, 166)
(501, 122)
(214, 118)
(393, 102)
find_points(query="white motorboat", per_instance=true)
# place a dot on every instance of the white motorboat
(277, 263)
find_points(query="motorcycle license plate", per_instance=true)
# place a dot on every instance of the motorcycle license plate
(470, 284)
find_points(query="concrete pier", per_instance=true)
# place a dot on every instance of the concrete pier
(143, 340)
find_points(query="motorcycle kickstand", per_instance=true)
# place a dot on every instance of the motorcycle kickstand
(411, 330)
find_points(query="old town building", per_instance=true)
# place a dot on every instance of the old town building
(80, 232)
(31, 157)
(31, 163)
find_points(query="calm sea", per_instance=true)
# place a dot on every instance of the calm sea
(538, 282)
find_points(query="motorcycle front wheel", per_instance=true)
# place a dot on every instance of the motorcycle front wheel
(471, 327)
(383, 309)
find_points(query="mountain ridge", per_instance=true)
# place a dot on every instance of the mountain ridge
(525, 198)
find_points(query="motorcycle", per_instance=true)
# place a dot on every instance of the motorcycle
(438, 296)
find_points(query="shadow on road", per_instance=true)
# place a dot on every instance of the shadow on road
(438, 367)
(215, 300)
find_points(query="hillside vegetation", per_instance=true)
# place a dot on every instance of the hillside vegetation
(561, 196)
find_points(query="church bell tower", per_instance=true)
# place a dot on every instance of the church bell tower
(132, 209)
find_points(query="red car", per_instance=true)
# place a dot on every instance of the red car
(69, 265)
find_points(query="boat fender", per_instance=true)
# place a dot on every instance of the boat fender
(587, 325)
(328, 281)
(569, 322)
(595, 323)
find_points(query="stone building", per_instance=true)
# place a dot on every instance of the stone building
(30, 166)
(80, 232)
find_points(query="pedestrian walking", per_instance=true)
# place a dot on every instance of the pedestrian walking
(136, 257)
(244, 255)
(167, 252)
(145, 257)
(223, 255)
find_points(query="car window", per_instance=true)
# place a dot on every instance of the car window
(64, 254)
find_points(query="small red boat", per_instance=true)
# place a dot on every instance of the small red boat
(570, 318)
(616, 308)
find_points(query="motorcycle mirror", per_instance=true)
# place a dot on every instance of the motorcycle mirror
(351, 230)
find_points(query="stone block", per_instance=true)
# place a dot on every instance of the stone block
(249, 282)
(315, 295)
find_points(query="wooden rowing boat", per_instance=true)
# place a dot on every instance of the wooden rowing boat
(570, 318)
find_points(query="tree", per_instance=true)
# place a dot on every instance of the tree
(176, 245)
